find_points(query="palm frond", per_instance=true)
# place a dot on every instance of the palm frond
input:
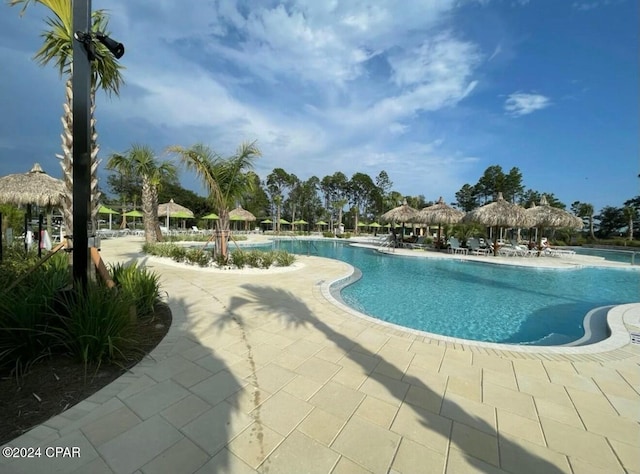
(204, 162)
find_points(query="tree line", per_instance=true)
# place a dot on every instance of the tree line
(334, 198)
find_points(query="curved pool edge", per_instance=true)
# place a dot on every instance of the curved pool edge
(618, 319)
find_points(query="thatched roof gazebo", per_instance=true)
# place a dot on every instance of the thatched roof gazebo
(441, 214)
(545, 216)
(499, 213)
(403, 213)
(169, 209)
(33, 187)
(240, 214)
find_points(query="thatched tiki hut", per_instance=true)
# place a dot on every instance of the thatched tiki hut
(439, 214)
(400, 215)
(497, 214)
(545, 216)
(240, 214)
(34, 187)
(171, 209)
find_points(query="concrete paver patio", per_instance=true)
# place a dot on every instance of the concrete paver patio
(261, 371)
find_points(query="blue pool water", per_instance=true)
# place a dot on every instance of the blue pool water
(624, 256)
(474, 300)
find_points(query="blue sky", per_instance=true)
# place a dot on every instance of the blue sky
(431, 91)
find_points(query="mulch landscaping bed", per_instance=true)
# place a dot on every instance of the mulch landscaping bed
(53, 385)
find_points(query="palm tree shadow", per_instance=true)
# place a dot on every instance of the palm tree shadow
(211, 430)
(284, 305)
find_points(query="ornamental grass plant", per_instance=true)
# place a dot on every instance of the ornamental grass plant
(42, 315)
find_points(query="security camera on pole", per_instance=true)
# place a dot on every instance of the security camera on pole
(83, 53)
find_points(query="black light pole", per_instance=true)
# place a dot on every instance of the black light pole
(81, 85)
(83, 53)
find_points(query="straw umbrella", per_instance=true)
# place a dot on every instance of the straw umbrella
(400, 214)
(499, 213)
(440, 213)
(169, 209)
(33, 187)
(240, 214)
(546, 216)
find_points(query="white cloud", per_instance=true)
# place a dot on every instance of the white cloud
(519, 103)
(322, 85)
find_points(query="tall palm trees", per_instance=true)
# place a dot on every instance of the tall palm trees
(140, 161)
(630, 214)
(57, 48)
(225, 178)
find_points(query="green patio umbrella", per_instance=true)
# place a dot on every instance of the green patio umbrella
(322, 223)
(284, 221)
(182, 215)
(134, 213)
(362, 224)
(211, 217)
(375, 226)
(106, 210)
(299, 222)
(266, 221)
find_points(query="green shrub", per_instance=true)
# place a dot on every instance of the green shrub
(96, 325)
(284, 259)
(329, 235)
(137, 285)
(197, 257)
(25, 319)
(253, 258)
(268, 258)
(239, 258)
(23, 330)
(177, 253)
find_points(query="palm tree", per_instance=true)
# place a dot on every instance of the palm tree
(339, 206)
(586, 210)
(140, 161)
(57, 48)
(225, 178)
(630, 214)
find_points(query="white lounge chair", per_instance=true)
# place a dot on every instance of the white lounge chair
(455, 248)
(474, 246)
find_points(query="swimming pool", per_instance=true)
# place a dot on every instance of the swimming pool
(625, 256)
(475, 300)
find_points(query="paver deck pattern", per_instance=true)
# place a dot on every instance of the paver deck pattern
(261, 372)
